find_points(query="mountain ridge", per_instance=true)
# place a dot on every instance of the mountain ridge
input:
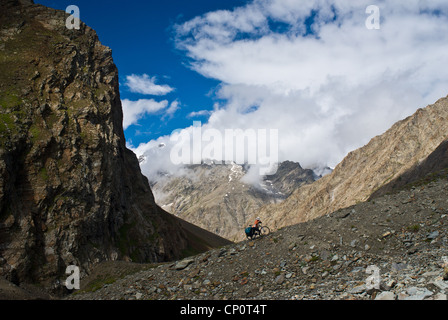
(366, 169)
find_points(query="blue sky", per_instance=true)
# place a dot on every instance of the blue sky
(142, 41)
(312, 69)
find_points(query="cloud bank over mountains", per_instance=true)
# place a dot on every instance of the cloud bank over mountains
(313, 71)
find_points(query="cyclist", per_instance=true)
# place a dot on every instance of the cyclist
(256, 225)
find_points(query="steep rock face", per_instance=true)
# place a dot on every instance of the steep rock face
(70, 191)
(215, 198)
(433, 167)
(365, 170)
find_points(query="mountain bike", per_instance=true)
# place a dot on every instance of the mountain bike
(262, 231)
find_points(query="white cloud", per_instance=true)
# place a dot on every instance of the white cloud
(174, 106)
(134, 110)
(329, 91)
(171, 110)
(200, 113)
(145, 84)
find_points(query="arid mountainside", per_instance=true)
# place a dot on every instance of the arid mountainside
(214, 196)
(401, 235)
(363, 171)
(71, 193)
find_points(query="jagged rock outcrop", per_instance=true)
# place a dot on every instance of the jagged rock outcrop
(70, 190)
(365, 170)
(291, 176)
(217, 198)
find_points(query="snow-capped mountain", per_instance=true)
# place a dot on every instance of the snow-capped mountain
(220, 198)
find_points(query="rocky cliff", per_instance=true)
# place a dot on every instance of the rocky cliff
(363, 171)
(71, 193)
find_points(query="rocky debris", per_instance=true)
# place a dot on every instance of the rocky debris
(10, 291)
(317, 260)
(180, 265)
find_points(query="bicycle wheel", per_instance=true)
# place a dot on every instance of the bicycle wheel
(264, 231)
